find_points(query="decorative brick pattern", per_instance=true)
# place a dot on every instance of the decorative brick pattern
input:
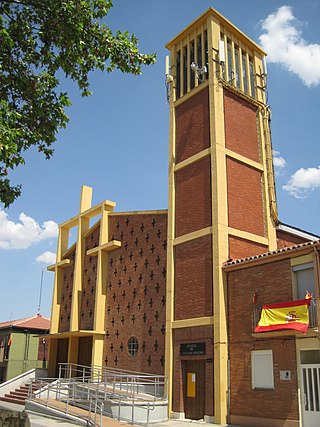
(272, 283)
(136, 281)
(66, 293)
(245, 207)
(192, 129)
(193, 279)
(241, 130)
(89, 279)
(193, 197)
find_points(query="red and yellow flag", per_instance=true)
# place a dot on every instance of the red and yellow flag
(286, 315)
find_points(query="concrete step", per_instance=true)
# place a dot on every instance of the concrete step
(12, 400)
(19, 395)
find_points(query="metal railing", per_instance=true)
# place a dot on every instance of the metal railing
(51, 391)
(100, 391)
(130, 381)
(313, 320)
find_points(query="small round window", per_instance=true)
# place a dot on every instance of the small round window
(133, 346)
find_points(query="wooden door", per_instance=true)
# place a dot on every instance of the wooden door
(85, 351)
(194, 389)
(62, 356)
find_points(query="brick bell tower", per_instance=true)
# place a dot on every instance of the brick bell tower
(222, 201)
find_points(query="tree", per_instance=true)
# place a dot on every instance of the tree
(38, 40)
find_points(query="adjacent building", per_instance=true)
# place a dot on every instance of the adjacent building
(23, 345)
(274, 376)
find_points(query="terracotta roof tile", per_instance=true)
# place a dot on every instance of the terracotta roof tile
(270, 253)
(34, 322)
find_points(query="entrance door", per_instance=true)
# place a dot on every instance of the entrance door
(311, 395)
(62, 356)
(85, 351)
(194, 388)
(85, 356)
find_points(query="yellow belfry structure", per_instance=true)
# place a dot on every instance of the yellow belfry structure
(222, 201)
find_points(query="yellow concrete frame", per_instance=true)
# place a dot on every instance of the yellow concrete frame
(214, 23)
(82, 221)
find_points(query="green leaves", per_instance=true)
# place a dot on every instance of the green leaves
(37, 40)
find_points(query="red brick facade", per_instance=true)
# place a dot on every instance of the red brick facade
(245, 206)
(193, 279)
(193, 197)
(66, 295)
(89, 279)
(242, 248)
(136, 280)
(241, 130)
(285, 239)
(192, 130)
(272, 283)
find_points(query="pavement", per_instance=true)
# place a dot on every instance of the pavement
(37, 420)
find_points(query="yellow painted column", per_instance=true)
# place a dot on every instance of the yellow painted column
(168, 371)
(83, 227)
(97, 350)
(102, 265)
(219, 228)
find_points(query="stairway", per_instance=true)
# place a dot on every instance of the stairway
(19, 395)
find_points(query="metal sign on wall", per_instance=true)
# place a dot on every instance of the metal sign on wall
(193, 349)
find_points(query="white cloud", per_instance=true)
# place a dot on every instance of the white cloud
(285, 45)
(278, 162)
(303, 181)
(47, 258)
(23, 234)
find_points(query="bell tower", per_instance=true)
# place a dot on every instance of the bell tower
(222, 201)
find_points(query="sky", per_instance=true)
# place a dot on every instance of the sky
(117, 140)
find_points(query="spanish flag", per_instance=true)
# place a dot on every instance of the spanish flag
(286, 315)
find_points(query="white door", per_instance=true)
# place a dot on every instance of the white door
(311, 395)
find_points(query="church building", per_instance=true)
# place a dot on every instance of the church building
(153, 291)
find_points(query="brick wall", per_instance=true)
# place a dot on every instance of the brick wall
(135, 303)
(245, 207)
(285, 239)
(193, 279)
(272, 283)
(192, 335)
(192, 126)
(193, 197)
(43, 348)
(241, 126)
(242, 248)
(66, 293)
(89, 278)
